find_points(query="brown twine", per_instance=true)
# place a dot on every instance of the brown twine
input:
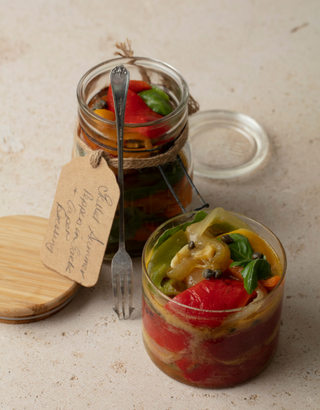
(125, 50)
(193, 105)
(134, 163)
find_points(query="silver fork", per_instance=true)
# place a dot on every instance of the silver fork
(121, 265)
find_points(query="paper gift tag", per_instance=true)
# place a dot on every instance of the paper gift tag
(81, 219)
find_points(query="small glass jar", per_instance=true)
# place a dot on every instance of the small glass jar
(198, 347)
(147, 199)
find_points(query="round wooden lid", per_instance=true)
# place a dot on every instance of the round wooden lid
(29, 291)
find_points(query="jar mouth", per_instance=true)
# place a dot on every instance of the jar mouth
(100, 68)
(193, 309)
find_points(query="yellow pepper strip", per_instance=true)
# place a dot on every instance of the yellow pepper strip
(106, 114)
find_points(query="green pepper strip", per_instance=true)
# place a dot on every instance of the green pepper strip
(160, 263)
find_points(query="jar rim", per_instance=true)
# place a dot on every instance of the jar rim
(176, 112)
(193, 309)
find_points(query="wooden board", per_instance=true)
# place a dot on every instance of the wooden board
(29, 291)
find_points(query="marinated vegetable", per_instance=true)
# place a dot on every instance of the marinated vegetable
(212, 294)
(147, 199)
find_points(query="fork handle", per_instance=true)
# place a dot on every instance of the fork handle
(119, 80)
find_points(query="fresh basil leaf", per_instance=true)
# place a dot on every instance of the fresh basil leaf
(169, 232)
(254, 271)
(156, 102)
(240, 248)
(242, 263)
(160, 92)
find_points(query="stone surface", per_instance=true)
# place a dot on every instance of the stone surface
(260, 58)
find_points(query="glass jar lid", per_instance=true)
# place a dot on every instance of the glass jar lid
(226, 144)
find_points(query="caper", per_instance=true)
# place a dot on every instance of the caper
(209, 273)
(256, 322)
(100, 105)
(257, 255)
(191, 245)
(227, 239)
(217, 273)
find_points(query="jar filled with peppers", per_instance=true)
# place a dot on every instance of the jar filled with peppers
(155, 119)
(213, 285)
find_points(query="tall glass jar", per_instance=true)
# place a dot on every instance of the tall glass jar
(148, 200)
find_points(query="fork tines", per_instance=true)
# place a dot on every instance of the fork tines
(121, 272)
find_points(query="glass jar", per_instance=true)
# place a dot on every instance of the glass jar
(206, 348)
(147, 199)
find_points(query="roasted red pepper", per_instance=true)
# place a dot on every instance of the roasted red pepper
(164, 334)
(212, 373)
(135, 108)
(212, 294)
(137, 112)
(237, 344)
(138, 86)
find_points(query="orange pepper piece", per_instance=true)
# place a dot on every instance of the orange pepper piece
(106, 114)
(270, 283)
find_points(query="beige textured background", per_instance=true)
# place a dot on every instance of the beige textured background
(260, 58)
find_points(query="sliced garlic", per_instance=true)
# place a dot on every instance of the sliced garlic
(206, 253)
(180, 256)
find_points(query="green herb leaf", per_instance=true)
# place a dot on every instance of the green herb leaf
(156, 102)
(242, 263)
(254, 271)
(240, 248)
(169, 232)
(160, 92)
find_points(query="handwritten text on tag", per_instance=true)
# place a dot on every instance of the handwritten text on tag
(81, 219)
